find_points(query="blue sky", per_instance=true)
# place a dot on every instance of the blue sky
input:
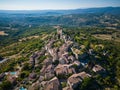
(55, 4)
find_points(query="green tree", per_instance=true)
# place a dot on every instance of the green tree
(87, 84)
(6, 85)
(24, 74)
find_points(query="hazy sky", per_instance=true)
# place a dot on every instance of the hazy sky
(54, 4)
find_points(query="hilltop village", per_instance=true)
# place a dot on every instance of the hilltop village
(63, 66)
(76, 49)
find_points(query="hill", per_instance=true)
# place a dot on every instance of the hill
(107, 10)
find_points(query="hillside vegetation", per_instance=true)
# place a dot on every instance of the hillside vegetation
(66, 50)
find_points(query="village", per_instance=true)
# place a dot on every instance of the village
(63, 68)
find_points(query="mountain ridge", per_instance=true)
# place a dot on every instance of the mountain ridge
(109, 10)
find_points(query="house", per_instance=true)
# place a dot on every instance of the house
(65, 54)
(71, 58)
(38, 54)
(62, 61)
(64, 69)
(78, 66)
(42, 85)
(65, 47)
(34, 86)
(66, 59)
(41, 78)
(60, 53)
(12, 79)
(59, 32)
(67, 88)
(47, 62)
(32, 76)
(77, 63)
(50, 68)
(65, 38)
(76, 52)
(74, 80)
(53, 53)
(82, 46)
(98, 69)
(55, 57)
(32, 59)
(53, 84)
(48, 71)
(49, 75)
(11, 76)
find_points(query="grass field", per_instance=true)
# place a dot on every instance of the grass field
(106, 37)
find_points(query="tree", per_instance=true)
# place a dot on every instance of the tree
(26, 67)
(6, 85)
(24, 74)
(88, 84)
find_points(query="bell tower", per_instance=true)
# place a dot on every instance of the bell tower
(59, 32)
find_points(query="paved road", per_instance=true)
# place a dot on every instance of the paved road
(4, 60)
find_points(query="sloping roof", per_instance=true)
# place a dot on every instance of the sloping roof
(64, 69)
(75, 79)
(53, 84)
(97, 68)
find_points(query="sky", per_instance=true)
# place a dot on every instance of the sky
(55, 4)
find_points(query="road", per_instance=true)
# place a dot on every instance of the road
(4, 60)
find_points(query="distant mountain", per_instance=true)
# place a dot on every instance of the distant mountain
(106, 10)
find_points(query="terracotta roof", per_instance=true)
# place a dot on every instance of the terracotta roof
(32, 76)
(53, 84)
(75, 79)
(97, 68)
(64, 69)
(67, 88)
